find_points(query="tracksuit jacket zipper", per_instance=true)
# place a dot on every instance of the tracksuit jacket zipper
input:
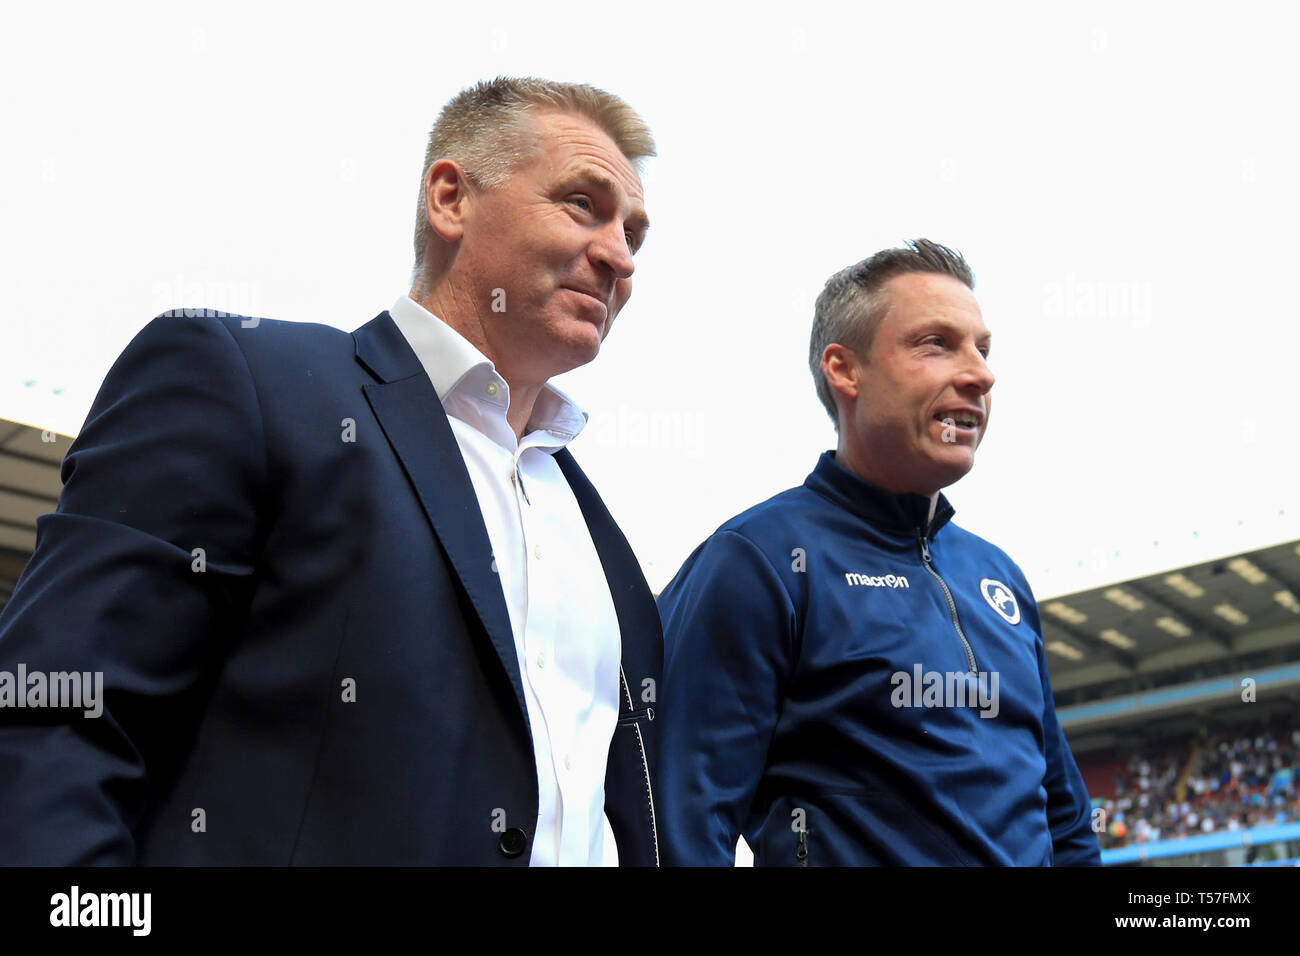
(947, 595)
(801, 846)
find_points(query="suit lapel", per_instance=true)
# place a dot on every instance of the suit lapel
(629, 791)
(638, 618)
(408, 410)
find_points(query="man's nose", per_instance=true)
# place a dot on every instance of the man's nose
(610, 248)
(976, 373)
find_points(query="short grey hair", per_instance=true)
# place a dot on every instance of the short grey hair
(849, 310)
(483, 128)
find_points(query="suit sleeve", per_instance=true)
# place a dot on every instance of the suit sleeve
(1069, 811)
(171, 460)
(729, 626)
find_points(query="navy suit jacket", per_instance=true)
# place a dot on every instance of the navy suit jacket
(332, 678)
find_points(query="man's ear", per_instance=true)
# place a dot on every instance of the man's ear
(842, 368)
(446, 199)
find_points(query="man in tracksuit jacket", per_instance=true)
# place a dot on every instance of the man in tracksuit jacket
(850, 678)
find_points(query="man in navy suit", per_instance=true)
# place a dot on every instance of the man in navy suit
(351, 598)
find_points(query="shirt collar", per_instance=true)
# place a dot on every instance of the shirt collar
(460, 372)
(882, 509)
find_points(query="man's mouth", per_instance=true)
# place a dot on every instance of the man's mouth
(963, 419)
(603, 300)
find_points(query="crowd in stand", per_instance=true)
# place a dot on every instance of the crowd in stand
(1236, 781)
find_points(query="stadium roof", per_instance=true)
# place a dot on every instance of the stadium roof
(1210, 613)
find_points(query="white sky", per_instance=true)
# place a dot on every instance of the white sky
(1121, 176)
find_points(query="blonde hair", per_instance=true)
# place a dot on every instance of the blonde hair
(483, 129)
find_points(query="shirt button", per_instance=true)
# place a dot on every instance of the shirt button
(541, 660)
(537, 551)
(567, 764)
(492, 388)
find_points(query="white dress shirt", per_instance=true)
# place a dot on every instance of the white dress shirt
(561, 612)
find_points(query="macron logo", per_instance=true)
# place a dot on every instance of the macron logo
(870, 581)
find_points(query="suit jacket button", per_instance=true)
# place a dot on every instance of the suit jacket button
(512, 842)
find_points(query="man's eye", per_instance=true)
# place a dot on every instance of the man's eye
(582, 201)
(631, 241)
(935, 338)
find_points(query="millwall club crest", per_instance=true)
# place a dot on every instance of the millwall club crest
(1000, 598)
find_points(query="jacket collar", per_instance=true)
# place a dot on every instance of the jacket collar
(901, 514)
(385, 353)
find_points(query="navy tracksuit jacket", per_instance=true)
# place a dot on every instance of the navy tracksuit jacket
(817, 697)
